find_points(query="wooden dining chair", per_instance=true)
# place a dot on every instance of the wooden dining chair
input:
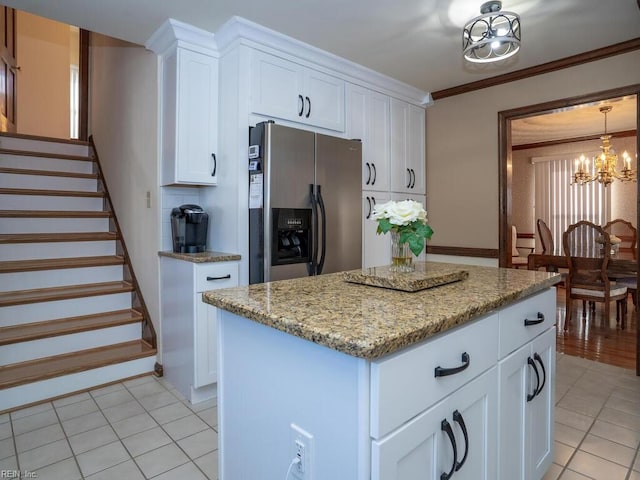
(517, 260)
(626, 232)
(546, 237)
(588, 249)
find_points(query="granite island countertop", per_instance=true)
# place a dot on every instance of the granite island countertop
(370, 322)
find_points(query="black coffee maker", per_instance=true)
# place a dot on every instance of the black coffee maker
(189, 227)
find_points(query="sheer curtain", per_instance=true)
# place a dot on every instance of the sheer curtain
(560, 203)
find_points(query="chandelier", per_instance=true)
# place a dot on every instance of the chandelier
(604, 164)
(492, 36)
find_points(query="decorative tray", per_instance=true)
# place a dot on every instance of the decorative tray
(426, 275)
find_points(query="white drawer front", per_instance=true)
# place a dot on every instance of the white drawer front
(405, 384)
(214, 276)
(537, 311)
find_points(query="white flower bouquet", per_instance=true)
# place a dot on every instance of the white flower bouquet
(408, 218)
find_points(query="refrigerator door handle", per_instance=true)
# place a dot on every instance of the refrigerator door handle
(323, 213)
(312, 265)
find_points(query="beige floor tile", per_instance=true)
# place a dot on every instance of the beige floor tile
(139, 381)
(631, 407)
(636, 464)
(169, 413)
(561, 389)
(625, 393)
(151, 402)
(77, 409)
(34, 422)
(582, 402)
(573, 419)
(200, 443)
(61, 402)
(209, 464)
(112, 399)
(5, 430)
(616, 433)
(634, 475)
(37, 438)
(184, 427)
(620, 418)
(571, 475)
(146, 441)
(26, 412)
(146, 389)
(102, 457)
(553, 473)
(161, 460)
(136, 424)
(84, 423)
(83, 442)
(64, 470)
(562, 453)
(200, 406)
(4, 417)
(9, 463)
(37, 458)
(210, 416)
(596, 467)
(608, 450)
(98, 392)
(7, 448)
(568, 435)
(125, 410)
(124, 471)
(188, 470)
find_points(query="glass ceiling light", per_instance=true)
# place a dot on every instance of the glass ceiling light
(492, 36)
(605, 164)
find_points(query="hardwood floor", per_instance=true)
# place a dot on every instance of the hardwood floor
(590, 338)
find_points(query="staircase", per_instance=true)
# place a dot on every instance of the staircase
(71, 313)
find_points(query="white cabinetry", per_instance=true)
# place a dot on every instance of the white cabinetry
(189, 331)
(290, 91)
(376, 249)
(407, 147)
(368, 120)
(189, 117)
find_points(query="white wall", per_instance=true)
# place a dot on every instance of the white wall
(124, 124)
(42, 88)
(462, 145)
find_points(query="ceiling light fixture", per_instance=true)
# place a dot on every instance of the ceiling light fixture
(493, 36)
(605, 164)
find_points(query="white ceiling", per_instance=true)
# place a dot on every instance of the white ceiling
(415, 41)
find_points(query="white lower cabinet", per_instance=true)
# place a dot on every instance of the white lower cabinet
(455, 438)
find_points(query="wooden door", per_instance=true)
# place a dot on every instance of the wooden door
(8, 70)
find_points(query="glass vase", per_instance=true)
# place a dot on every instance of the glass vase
(401, 255)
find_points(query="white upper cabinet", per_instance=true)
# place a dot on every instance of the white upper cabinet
(290, 91)
(407, 147)
(368, 120)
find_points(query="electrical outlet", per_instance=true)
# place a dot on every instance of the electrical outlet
(302, 449)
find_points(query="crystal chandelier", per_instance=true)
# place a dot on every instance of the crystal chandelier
(604, 164)
(492, 36)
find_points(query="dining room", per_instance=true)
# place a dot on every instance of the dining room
(550, 175)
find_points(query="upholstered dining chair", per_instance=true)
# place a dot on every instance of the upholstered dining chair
(588, 249)
(517, 260)
(626, 232)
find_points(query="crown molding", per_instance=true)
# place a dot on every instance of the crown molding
(174, 33)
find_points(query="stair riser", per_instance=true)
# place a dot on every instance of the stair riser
(43, 147)
(39, 312)
(54, 387)
(47, 347)
(44, 202)
(44, 163)
(48, 182)
(33, 251)
(58, 278)
(53, 225)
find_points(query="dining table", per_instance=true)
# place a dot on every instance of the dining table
(621, 264)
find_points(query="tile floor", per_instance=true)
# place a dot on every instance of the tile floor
(143, 429)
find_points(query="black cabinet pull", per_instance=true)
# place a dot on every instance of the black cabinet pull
(215, 165)
(368, 173)
(209, 279)
(373, 199)
(540, 319)
(457, 417)
(443, 372)
(369, 212)
(413, 178)
(409, 184)
(301, 102)
(308, 107)
(544, 373)
(375, 174)
(531, 396)
(447, 429)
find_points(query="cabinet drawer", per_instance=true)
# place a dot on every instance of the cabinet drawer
(525, 320)
(404, 384)
(214, 276)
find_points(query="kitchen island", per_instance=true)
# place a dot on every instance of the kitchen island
(376, 383)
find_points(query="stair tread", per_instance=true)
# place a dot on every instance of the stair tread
(65, 326)
(61, 156)
(55, 193)
(18, 297)
(47, 173)
(58, 263)
(68, 363)
(54, 213)
(56, 237)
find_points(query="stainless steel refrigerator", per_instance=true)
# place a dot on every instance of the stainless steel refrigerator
(304, 203)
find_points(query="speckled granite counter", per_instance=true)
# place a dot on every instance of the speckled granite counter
(369, 322)
(204, 257)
